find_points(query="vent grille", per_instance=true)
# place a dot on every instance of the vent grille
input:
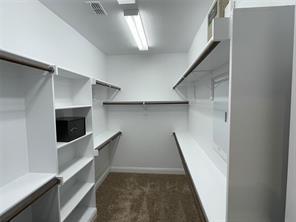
(97, 7)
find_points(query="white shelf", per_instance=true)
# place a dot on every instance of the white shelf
(63, 144)
(104, 137)
(21, 188)
(69, 74)
(82, 214)
(74, 166)
(215, 54)
(72, 107)
(209, 181)
(73, 198)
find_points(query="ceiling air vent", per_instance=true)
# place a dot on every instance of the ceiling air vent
(97, 7)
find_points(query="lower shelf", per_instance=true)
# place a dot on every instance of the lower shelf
(22, 190)
(72, 198)
(207, 180)
(83, 214)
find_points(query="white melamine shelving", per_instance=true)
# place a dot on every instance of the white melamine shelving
(208, 180)
(72, 167)
(72, 90)
(72, 107)
(73, 98)
(235, 151)
(82, 214)
(63, 144)
(27, 137)
(17, 190)
(104, 137)
(73, 197)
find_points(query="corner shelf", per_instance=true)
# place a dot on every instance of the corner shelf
(215, 54)
(63, 144)
(146, 103)
(24, 190)
(104, 138)
(73, 197)
(210, 191)
(72, 167)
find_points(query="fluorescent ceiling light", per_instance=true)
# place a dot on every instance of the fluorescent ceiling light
(135, 25)
(123, 2)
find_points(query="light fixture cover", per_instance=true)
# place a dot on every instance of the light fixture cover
(135, 24)
(124, 2)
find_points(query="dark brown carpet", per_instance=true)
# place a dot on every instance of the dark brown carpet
(146, 198)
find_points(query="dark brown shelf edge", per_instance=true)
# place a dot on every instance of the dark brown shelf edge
(107, 85)
(103, 145)
(28, 201)
(17, 59)
(147, 103)
(210, 47)
(192, 187)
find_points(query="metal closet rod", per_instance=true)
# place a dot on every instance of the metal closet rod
(199, 60)
(107, 85)
(147, 103)
(13, 58)
(102, 146)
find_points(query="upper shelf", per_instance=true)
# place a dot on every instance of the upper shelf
(21, 60)
(105, 84)
(214, 55)
(146, 103)
(70, 74)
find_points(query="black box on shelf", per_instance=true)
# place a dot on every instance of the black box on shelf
(70, 128)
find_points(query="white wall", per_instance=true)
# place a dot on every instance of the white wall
(146, 77)
(28, 28)
(147, 144)
(291, 191)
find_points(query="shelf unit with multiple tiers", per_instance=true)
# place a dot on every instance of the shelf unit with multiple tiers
(239, 89)
(76, 158)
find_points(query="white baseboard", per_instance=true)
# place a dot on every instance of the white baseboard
(178, 171)
(102, 178)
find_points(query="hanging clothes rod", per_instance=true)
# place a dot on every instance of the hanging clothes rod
(146, 103)
(107, 85)
(103, 145)
(28, 201)
(13, 58)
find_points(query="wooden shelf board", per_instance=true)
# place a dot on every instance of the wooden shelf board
(73, 197)
(208, 181)
(71, 168)
(63, 144)
(21, 188)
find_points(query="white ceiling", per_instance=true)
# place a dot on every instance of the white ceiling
(170, 25)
